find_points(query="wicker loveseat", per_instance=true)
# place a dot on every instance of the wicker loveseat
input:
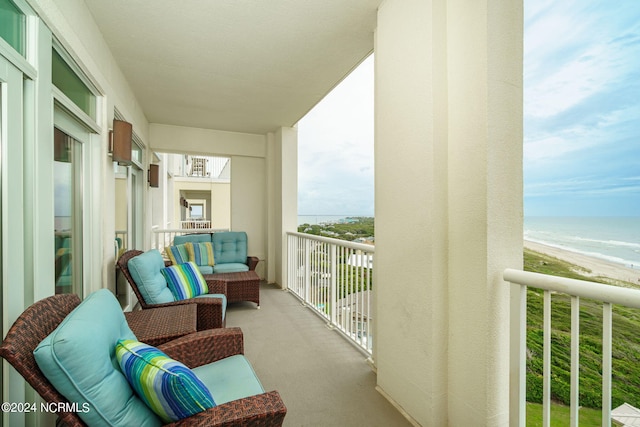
(230, 250)
(82, 369)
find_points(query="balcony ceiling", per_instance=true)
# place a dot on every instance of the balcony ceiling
(238, 65)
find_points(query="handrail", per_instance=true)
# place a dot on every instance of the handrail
(334, 278)
(576, 289)
(189, 230)
(345, 243)
(581, 288)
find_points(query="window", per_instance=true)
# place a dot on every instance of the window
(13, 25)
(70, 84)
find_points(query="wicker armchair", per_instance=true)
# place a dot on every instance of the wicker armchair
(209, 309)
(197, 349)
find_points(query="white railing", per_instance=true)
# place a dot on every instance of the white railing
(164, 237)
(195, 224)
(576, 289)
(205, 167)
(334, 278)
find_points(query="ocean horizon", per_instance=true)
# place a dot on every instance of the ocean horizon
(613, 239)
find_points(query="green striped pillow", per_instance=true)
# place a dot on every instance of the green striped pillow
(168, 387)
(200, 253)
(177, 254)
(185, 281)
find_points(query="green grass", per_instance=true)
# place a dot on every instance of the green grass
(626, 343)
(560, 416)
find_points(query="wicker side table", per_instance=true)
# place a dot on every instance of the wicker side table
(241, 286)
(156, 326)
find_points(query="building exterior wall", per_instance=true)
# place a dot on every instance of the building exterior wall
(218, 203)
(27, 156)
(449, 110)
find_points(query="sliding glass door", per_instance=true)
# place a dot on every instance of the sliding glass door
(67, 172)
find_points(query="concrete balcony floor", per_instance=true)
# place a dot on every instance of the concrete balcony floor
(322, 378)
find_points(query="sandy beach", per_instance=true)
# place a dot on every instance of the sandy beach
(597, 267)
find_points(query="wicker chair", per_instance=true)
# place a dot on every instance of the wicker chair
(209, 309)
(197, 349)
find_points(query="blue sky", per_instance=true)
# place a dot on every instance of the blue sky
(581, 119)
(582, 108)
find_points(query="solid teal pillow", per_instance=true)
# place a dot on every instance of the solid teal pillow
(79, 359)
(145, 271)
(167, 386)
(185, 281)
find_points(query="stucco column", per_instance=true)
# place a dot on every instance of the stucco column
(448, 205)
(282, 200)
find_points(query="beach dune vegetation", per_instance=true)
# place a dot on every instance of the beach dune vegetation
(626, 344)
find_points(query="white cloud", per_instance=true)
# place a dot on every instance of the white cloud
(335, 154)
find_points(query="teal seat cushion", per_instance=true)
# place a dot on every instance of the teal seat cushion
(223, 297)
(145, 270)
(231, 267)
(193, 238)
(229, 379)
(79, 359)
(205, 269)
(230, 246)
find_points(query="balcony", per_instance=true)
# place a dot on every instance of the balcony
(322, 327)
(323, 380)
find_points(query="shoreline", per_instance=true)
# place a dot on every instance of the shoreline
(598, 267)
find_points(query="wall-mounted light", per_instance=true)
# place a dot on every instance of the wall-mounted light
(120, 142)
(153, 176)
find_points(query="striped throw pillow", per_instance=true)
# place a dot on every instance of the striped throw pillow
(177, 254)
(185, 281)
(168, 387)
(200, 253)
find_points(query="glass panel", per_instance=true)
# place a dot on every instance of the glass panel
(1, 275)
(136, 208)
(136, 153)
(68, 222)
(65, 79)
(12, 25)
(121, 211)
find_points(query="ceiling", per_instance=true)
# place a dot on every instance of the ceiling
(237, 65)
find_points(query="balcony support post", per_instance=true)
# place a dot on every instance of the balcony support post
(333, 299)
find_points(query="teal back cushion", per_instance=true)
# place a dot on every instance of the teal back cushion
(193, 238)
(79, 359)
(145, 271)
(230, 246)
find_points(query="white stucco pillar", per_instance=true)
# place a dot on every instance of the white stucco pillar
(448, 149)
(282, 215)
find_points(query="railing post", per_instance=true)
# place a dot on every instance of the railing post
(575, 361)
(546, 361)
(307, 270)
(518, 365)
(607, 350)
(333, 303)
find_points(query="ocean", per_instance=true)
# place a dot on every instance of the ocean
(317, 219)
(614, 239)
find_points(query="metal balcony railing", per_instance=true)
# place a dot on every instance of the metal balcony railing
(164, 237)
(606, 294)
(195, 224)
(334, 278)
